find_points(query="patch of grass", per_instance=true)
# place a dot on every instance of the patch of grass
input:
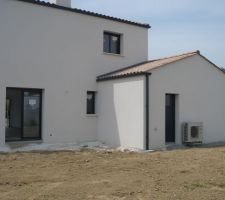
(195, 185)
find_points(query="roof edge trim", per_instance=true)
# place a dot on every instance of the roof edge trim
(99, 79)
(84, 12)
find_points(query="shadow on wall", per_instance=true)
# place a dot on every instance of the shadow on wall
(121, 112)
(108, 130)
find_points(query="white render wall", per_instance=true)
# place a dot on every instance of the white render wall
(121, 115)
(60, 52)
(200, 98)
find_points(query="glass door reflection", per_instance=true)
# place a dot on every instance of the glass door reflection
(32, 114)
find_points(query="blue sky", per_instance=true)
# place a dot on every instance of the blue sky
(177, 25)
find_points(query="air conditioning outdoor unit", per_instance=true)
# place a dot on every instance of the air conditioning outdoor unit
(192, 132)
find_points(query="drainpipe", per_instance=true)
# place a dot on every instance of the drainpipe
(147, 110)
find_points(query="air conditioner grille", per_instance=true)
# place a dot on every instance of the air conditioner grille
(185, 132)
(195, 132)
(192, 132)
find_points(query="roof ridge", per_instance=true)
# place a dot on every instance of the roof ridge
(191, 52)
(91, 13)
(146, 62)
(134, 71)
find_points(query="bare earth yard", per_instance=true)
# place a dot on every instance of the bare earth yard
(182, 174)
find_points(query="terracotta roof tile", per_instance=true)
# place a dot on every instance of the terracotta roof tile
(144, 67)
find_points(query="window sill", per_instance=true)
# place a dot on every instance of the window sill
(91, 115)
(113, 54)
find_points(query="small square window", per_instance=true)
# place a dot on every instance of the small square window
(90, 102)
(112, 43)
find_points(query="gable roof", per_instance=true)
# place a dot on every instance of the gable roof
(84, 12)
(145, 67)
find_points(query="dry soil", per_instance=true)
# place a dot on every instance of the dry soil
(101, 175)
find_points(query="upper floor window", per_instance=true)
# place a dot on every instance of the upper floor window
(112, 43)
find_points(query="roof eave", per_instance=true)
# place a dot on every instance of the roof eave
(84, 12)
(101, 79)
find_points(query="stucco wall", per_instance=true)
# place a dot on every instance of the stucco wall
(121, 112)
(62, 53)
(200, 98)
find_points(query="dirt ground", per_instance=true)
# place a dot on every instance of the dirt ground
(181, 174)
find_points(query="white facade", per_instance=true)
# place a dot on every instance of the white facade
(198, 86)
(121, 112)
(60, 52)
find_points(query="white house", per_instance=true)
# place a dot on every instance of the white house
(62, 80)
(59, 51)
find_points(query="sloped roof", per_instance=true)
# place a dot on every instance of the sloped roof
(142, 68)
(84, 12)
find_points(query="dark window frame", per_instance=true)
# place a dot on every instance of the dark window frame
(92, 110)
(110, 35)
(23, 90)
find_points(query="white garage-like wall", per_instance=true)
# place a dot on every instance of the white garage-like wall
(121, 113)
(200, 97)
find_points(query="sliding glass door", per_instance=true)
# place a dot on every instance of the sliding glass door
(13, 117)
(23, 114)
(32, 114)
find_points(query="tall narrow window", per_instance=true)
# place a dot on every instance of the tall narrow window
(90, 102)
(112, 43)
